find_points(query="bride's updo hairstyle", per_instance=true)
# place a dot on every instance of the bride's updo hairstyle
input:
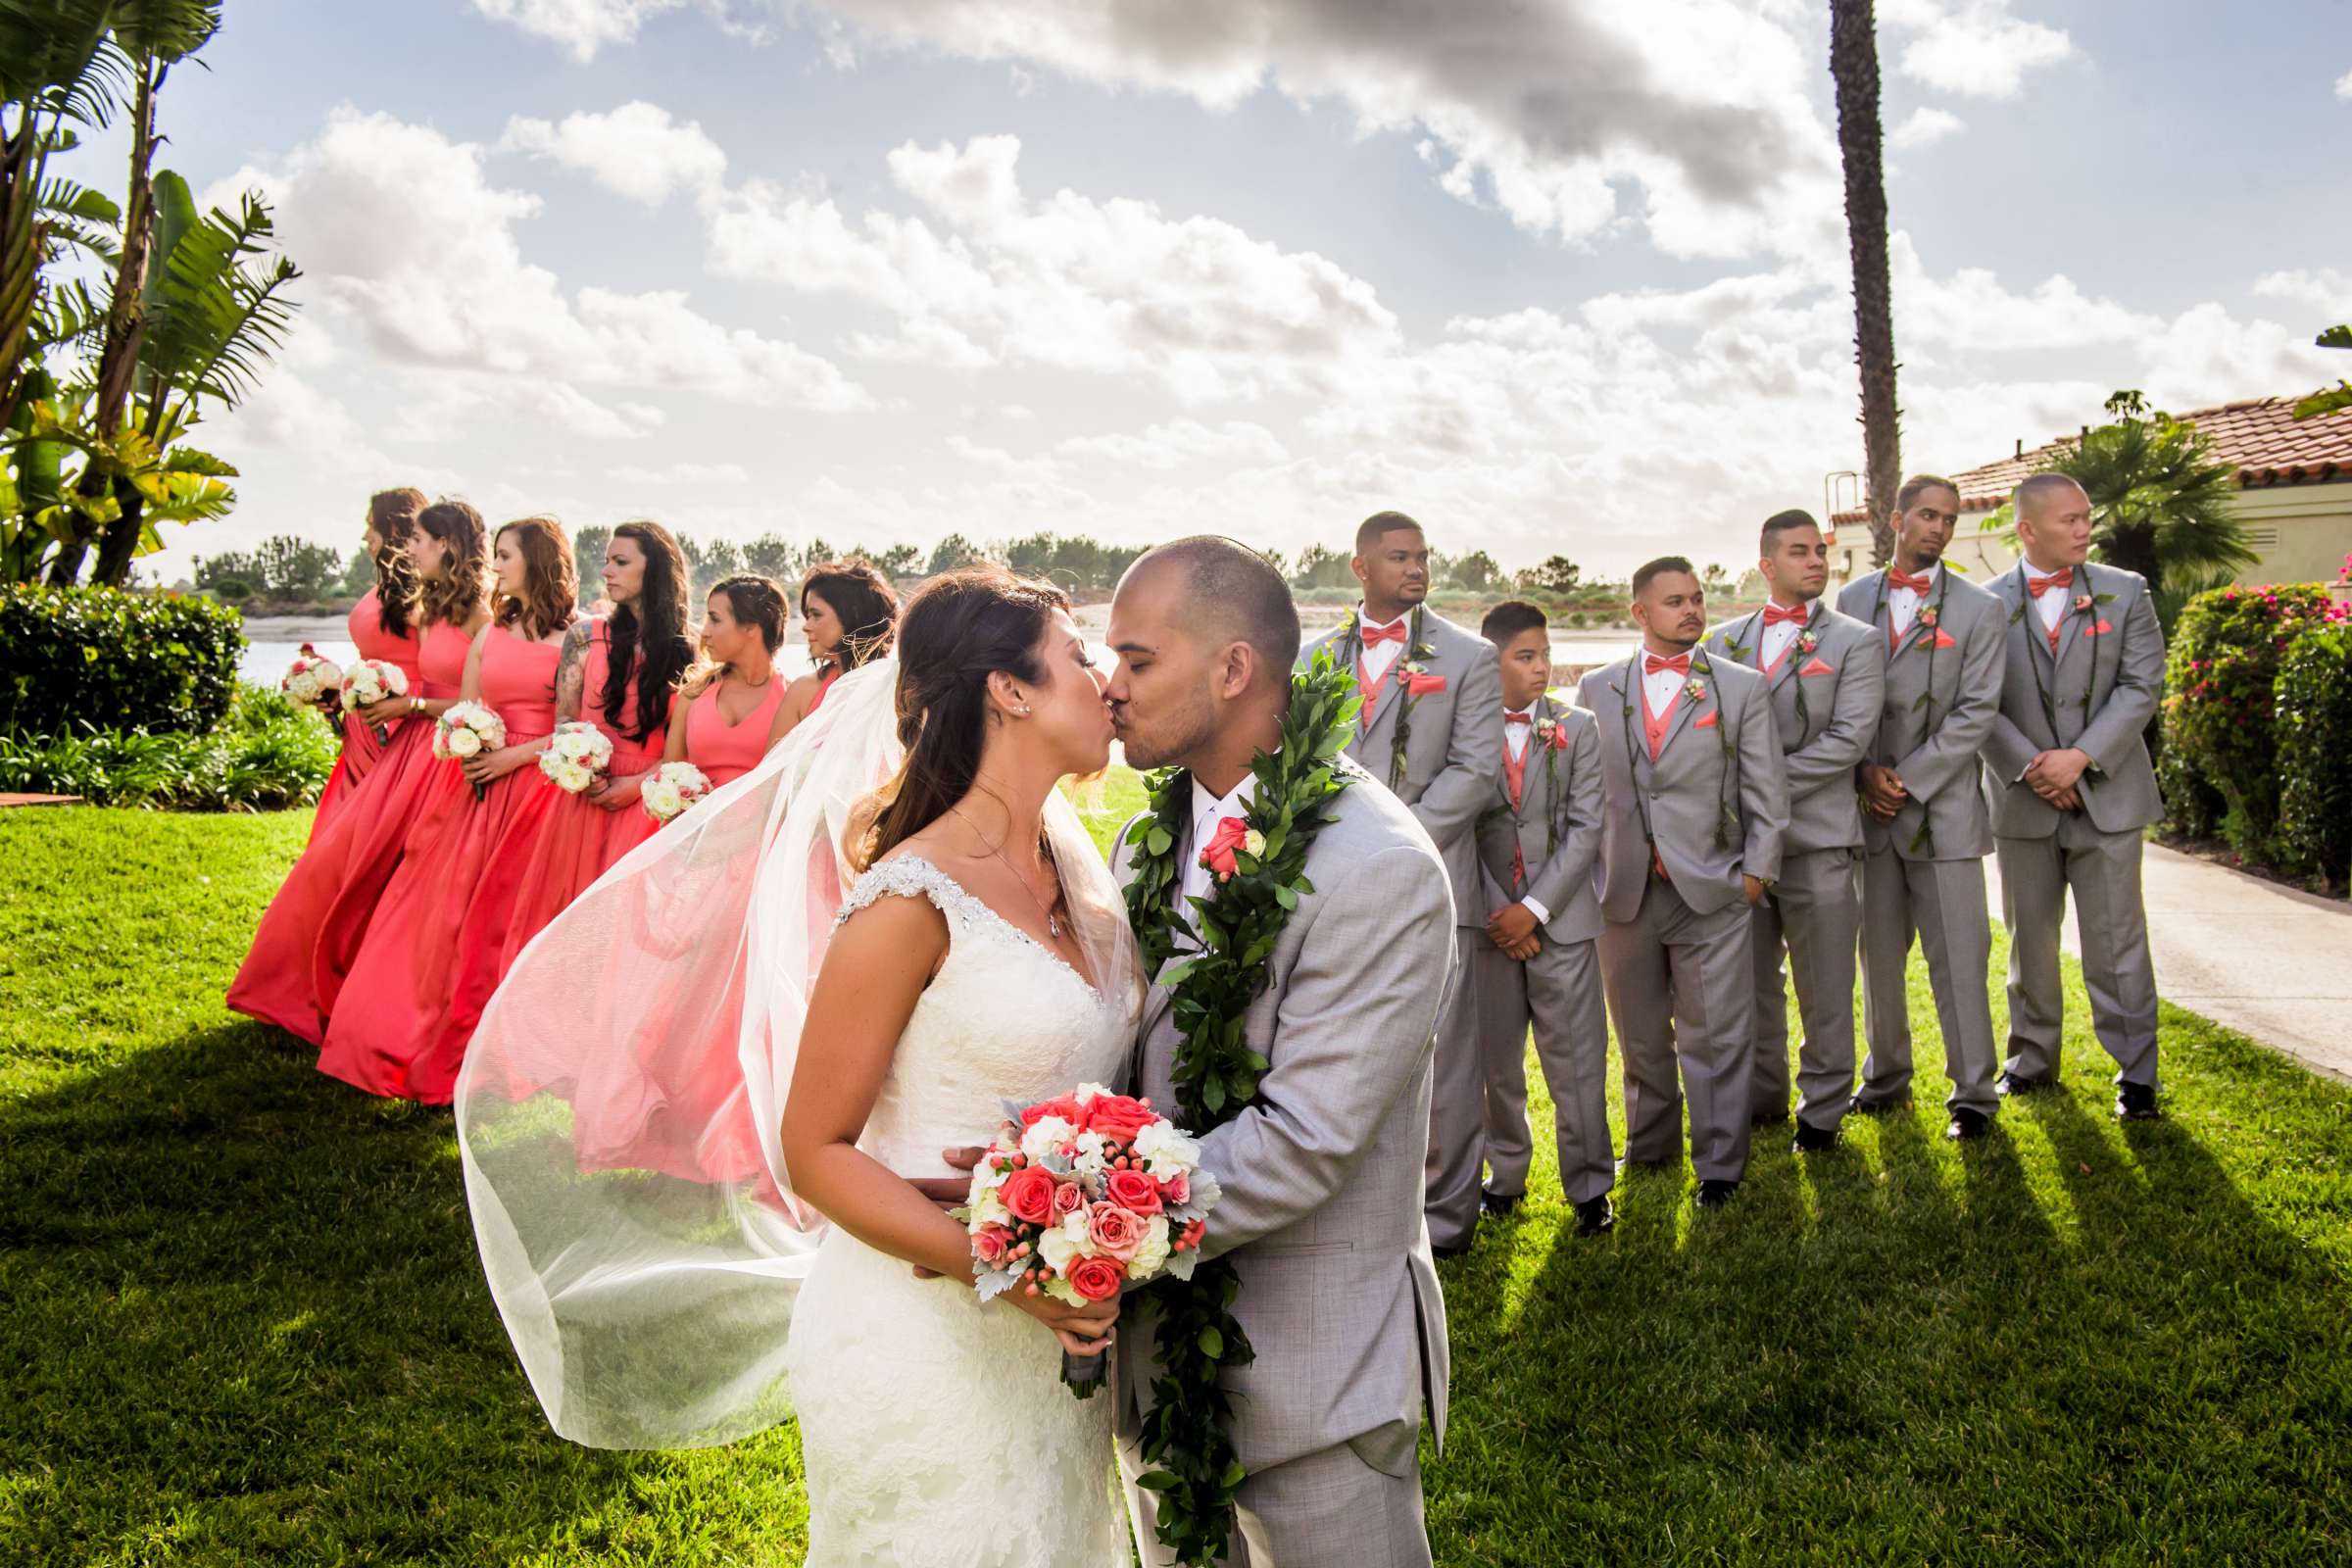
(960, 628)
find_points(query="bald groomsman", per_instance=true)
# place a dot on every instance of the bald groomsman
(1694, 811)
(1431, 730)
(2069, 760)
(1925, 825)
(1827, 674)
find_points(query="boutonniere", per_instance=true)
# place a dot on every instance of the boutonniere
(2083, 603)
(1927, 615)
(1696, 691)
(1548, 733)
(1807, 641)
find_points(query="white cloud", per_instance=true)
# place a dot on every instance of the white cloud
(685, 472)
(1177, 442)
(1926, 127)
(637, 150)
(2325, 291)
(2343, 86)
(1973, 47)
(581, 27)
(403, 234)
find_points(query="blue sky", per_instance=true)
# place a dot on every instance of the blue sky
(1561, 276)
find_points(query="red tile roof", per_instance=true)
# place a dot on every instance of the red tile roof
(2261, 436)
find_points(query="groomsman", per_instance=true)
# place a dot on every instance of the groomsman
(1431, 730)
(1538, 967)
(1925, 827)
(2069, 760)
(1694, 809)
(1827, 674)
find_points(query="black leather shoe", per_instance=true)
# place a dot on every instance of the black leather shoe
(1858, 1107)
(2016, 1083)
(1769, 1118)
(1595, 1215)
(1463, 1251)
(1812, 1140)
(1967, 1125)
(2136, 1102)
(1714, 1195)
(1497, 1203)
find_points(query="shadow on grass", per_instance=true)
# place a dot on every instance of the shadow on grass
(246, 1323)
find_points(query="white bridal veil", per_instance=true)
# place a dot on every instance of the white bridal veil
(620, 1108)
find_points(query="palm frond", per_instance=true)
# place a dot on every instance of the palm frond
(57, 58)
(218, 315)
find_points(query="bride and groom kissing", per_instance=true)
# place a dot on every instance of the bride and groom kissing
(983, 957)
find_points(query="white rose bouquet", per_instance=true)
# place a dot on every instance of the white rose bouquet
(671, 789)
(578, 754)
(311, 677)
(466, 730)
(369, 681)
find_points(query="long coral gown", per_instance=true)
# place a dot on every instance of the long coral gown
(400, 1025)
(313, 929)
(361, 751)
(582, 838)
(727, 752)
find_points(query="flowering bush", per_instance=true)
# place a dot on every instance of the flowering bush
(2313, 717)
(2218, 710)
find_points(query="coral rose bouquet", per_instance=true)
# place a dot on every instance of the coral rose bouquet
(311, 677)
(468, 729)
(1082, 1197)
(578, 754)
(671, 789)
(369, 681)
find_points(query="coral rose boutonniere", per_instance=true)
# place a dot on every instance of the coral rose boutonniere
(1807, 641)
(1927, 615)
(1696, 691)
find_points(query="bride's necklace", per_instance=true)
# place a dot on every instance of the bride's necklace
(1053, 920)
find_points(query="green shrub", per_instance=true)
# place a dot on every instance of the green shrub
(2217, 707)
(266, 754)
(134, 662)
(2314, 716)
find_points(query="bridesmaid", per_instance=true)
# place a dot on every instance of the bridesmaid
(311, 931)
(620, 673)
(382, 627)
(848, 613)
(725, 713)
(429, 963)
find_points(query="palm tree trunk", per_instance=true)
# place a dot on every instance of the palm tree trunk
(1854, 67)
(126, 323)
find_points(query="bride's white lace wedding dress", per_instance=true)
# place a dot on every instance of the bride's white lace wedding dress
(935, 1429)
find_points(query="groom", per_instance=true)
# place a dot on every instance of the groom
(1322, 1176)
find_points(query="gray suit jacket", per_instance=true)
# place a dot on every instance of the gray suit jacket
(1454, 750)
(1683, 795)
(2102, 687)
(1943, 687)
(1555, 827)
(1322, 1179)
(1843, 679)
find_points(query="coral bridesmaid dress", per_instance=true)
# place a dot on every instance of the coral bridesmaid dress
(727, 752)
(313, 929)
(582, 838)
(400, 1025)
(360, 749)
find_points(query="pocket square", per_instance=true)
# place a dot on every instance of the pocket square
(2100, 630)
(1818, 666)
(1944, 639)
(1704, 722)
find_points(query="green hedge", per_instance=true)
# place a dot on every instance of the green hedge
(2219, 729)
(2314, 716)
(265, 755)
(73, 659)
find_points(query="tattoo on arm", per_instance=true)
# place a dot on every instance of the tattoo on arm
(571, 671)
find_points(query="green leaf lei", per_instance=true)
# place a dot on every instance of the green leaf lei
(1187, 1435)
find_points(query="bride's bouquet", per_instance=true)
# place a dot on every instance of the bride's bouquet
(311, 677)
(1083, 1195)
(372, 680)
(578, 754)
(468, 729)
(672, 788)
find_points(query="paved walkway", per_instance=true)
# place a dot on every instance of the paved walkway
(2271, 963)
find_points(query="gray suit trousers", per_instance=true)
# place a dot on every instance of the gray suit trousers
(1457, 1102)
(1682, 988)
(2103, 871)
(1943, 901)
(1558, 993)
(1329, 1509)
(1814, 915)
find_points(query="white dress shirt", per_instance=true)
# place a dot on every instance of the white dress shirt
(1657, 690)
(1380, 658)
(2053, 605)
(1515, 736)
(1902, 603)
(1207, 808)
(1775, 641)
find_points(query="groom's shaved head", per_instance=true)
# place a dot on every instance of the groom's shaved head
(1230, 593)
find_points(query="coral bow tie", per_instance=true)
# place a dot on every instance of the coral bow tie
(1518, 718)
(1777, 615)
(1899, 579)
(1384, 634)
(1652, 665)
(2063, 578)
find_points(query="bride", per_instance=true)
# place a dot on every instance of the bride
(703, 1015)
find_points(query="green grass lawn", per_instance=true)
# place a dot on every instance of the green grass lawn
(242, 1321)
